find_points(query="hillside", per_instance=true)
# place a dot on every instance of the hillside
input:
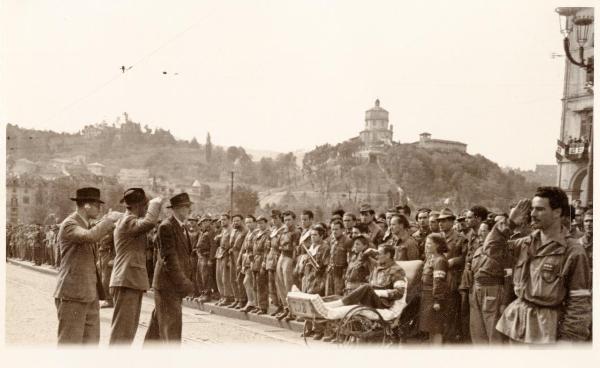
(329, 176)
(417, 176)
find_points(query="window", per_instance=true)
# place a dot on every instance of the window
(586, 123)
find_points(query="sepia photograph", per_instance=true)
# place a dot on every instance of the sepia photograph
(297, 174)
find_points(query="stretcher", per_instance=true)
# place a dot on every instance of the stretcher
(357, 323)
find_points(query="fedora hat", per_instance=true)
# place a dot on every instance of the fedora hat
(87, 194)
(181, 199)
(134, 196)
(446, 213)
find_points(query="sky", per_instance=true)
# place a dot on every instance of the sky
(290, 75)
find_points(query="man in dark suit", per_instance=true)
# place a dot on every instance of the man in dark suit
(79, 286)
(129, 278)
(172, 274)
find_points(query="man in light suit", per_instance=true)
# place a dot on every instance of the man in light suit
(79, 286)
(172, 273)
(129, 278)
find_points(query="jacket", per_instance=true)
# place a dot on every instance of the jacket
(457, 251)
(131, 240)
(260, 247)
(551, 281)
(78, 276)
(173, 265)
(274, 251)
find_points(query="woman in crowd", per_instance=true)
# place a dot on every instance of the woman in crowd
(434, 292)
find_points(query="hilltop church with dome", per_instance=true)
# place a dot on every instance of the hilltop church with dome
(378, 134)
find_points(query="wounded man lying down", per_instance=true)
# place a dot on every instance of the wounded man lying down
(387, 283)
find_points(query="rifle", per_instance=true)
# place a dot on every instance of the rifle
(311, 259)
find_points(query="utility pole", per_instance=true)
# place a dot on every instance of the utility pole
(231, 197)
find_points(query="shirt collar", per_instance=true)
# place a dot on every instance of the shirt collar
(87, 224)
(179, 222)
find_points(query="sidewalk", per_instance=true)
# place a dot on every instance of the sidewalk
(205, 307)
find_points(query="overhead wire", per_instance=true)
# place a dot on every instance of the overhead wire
(120, 74)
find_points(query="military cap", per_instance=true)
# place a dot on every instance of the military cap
(261, 218)
(446, 213)
(366, 208)
(205, 218)
(275, 213)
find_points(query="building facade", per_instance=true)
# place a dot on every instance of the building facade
(574, 152)
(378, 133)
(425, 141)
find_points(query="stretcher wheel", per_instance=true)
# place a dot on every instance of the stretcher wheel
(355, 328)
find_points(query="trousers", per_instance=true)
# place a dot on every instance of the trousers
(365, 295)
(78, 322)
(273, 295)
(260, 288)
(335, 281)
(106, 271)
(126, 316)
(249, 287)
(237, 282)
(485, 302)
(204, 275)
(166, 320)
(285, 277)
(224, 278)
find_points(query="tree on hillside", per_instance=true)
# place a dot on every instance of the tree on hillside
(208, 147)
(194, 143)
(245, 200)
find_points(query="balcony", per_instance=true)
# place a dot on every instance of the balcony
(576, 150)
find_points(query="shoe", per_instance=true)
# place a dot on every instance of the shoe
(229, 303)
(220, 302)
(328, 338)
(241, 304)
(300, 319)
(282, 315)
(277, 311)
(318, 336)
(260, 312)
(248, 309)
(308, 334)
(289, 317)
(107, 304)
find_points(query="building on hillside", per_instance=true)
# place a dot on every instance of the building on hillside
(574, 153)
(96, 168)
(131, 178)
(378, 133)
(23, 166)
(20, 198)
(425, 141)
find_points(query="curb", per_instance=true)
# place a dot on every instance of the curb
(205, 307)
(31, 266)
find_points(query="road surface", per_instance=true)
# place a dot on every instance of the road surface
(31, 318)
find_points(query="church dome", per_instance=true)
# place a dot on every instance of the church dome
(376, 112)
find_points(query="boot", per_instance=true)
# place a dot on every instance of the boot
(277, 311)
(283, 314)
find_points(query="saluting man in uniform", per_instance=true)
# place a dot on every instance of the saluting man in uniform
(551, 274)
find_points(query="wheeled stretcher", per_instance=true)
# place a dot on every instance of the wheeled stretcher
(357, 323)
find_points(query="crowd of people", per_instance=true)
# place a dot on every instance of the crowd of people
(488, 278)
(34, 243)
